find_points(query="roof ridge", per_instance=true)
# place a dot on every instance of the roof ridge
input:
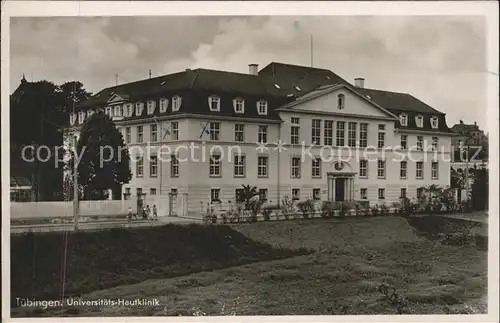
(378, 90)
(302, 66)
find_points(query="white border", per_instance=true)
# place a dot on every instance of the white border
(489, 9)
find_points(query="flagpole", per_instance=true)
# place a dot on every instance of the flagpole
(311, 40)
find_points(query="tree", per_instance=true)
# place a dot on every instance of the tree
(248, 193)
(105, 161)
(479, 192)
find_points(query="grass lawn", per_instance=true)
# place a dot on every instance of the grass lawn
(352, 257)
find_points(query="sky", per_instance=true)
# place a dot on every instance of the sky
(440, 60)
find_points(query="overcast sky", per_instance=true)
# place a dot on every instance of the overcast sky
(440, 60)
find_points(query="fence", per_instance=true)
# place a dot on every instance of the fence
(167, 205)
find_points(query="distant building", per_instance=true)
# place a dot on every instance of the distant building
(272, 115)
(469, 135)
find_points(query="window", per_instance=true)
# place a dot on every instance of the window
(263, 194)
(295, 194)
(340, 133)
(81, 116)
(138, 191)
(262, 107)
(239, 105)
(420, 170)
(262, 134)
(316, 167)
(381, 136)
(239, 195)
(109, 112)
(316, 194)
(403, 119)
(140, 134)
(363, 168)
(381, 193)
(262, 166)
(127, 135)
(154, 132)
(239, 132)
(435, 142)
(176, 103)
(420, 192)
(363, 193)
(403, 193)
(139, 107)
(435, 170)
(153, 166)
(118, 111)
(239, 166)
(341, 101)
(215, 195)
(351, 134)
(294, 131)
(163, 105)
(328, 141)
(403, 169)
(381, 168)
(420, 142)
(152, 191)
(419, 121)
(316, 132)
(215, 161)
(363, 135)
(214, 103)
(381, 127)
(173, 192)
(404, 142)
(174, 166)
(175, 130)
(139, 167)
(295, 167)
(214, 130)
(151, 106)
(128, 110)
(434, 122)
(127, 190)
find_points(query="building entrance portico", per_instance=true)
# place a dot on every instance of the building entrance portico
(340, 183)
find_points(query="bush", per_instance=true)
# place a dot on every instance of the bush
(266, 214)
(384, 210)
(327, 209)
(286, 206)
(343, 209)
(374, 210)
(306, 207)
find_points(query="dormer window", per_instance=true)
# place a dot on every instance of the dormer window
(90, 113)
(139, 107)
(176, 103)
(262, 107)
(298, 88)
(214, 103)
(81, 116)
(341, 101)
(72, 118)
(419, 121)
(127, 109)
(109, 111)
(118, 111)
(239, 105)
(403, 119)
(277, 86)
(163, 105)
(151, 106)
(434, 122)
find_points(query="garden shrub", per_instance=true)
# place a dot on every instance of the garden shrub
(306, 207)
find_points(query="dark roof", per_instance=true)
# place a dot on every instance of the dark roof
(299, 80)
(397, 101)
(195, 86)
(278, 83)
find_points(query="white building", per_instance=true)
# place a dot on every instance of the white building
(368, 144)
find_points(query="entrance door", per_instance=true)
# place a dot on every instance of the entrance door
(340, 189)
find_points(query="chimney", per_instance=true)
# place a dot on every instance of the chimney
(252, 69)
(359, 82)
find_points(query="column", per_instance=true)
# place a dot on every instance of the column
(346, 189)
(352, 188)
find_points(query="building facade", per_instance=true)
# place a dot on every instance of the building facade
(287, 130)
